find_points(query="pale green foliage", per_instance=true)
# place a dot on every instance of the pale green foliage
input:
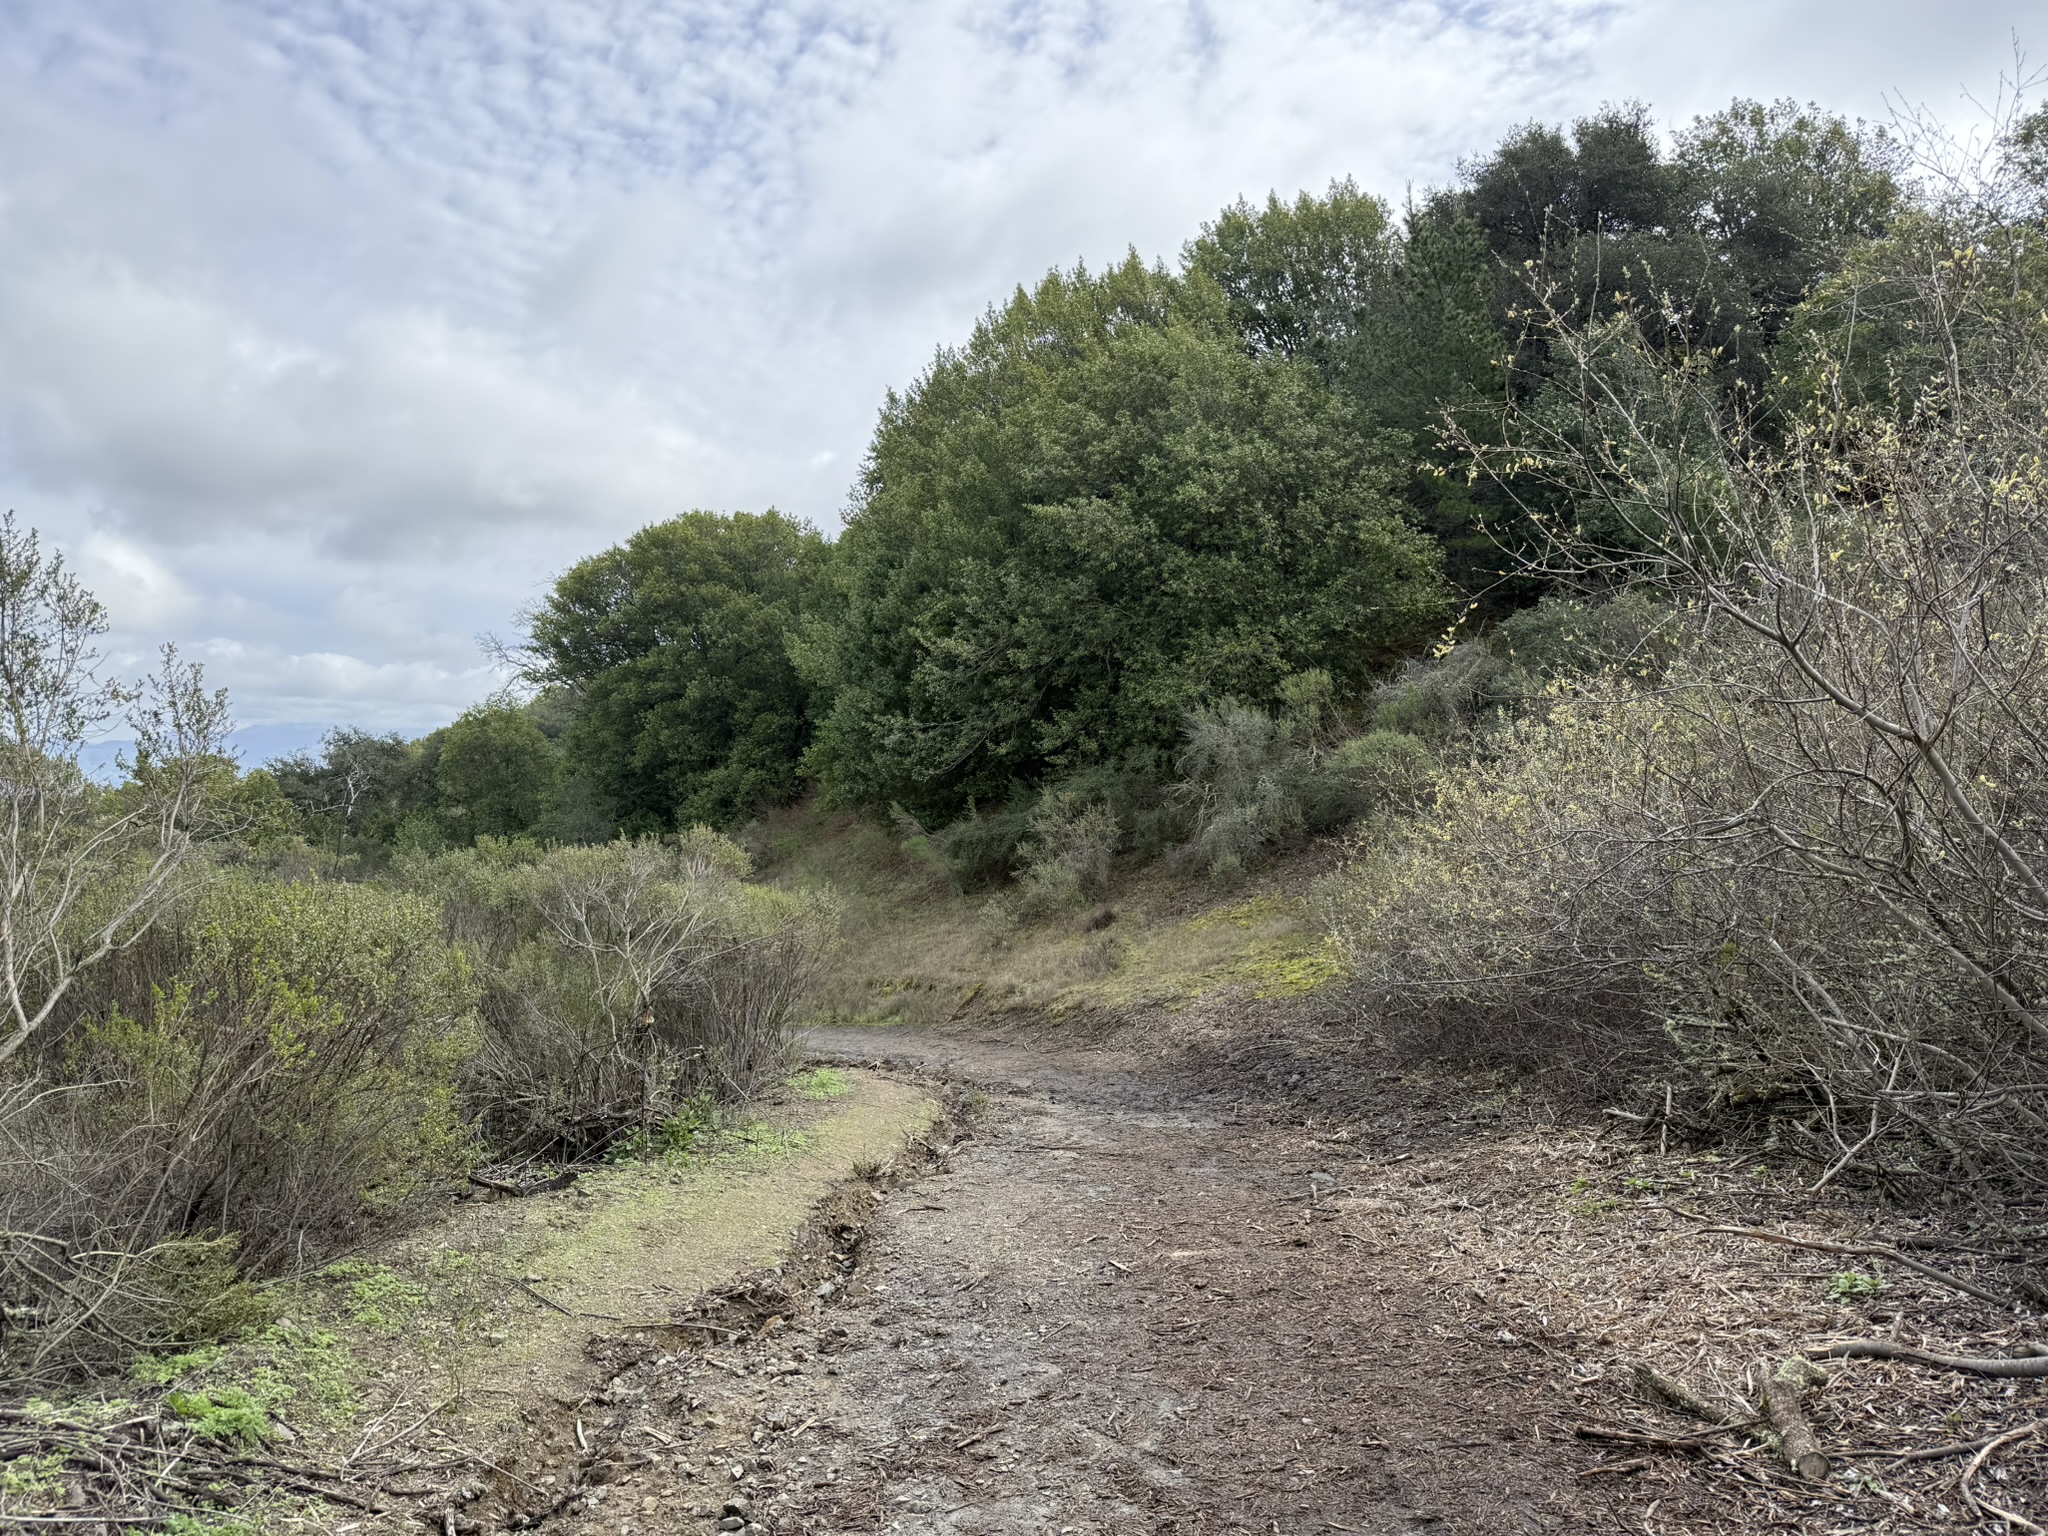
(1243, 774)
(623, 980)
(1253, 781)
(1066, 854)
(1459, 921)
(273, 1069)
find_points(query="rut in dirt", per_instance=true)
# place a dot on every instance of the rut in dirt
(1137, 1300)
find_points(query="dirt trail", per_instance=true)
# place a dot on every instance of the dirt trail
(1125, 1309)
(1128, 1302)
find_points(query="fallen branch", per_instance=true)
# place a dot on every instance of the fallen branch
(1982, 1507)
(1884, 1349)
(1689, 1399)
(1942, 1452)
(1635, 1464)
(561, 1180)
(1783, 1387)
(1699, 1442)
(1869, 1251)
(546, 1301)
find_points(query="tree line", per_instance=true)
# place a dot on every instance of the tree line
(1133, 494)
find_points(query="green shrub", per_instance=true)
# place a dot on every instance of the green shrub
(227, 1414)
(270, 1071)
(1442, 695)
(1067, 853)
(1252, 782)
(623, 982)
(1385, 770)
(1482, 684)
(1243, 776)
(982, 848)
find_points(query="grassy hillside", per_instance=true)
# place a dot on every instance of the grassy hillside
(917, 950)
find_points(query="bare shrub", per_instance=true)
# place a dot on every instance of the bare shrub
(272, 1068)
(84, 871)
(623, 981)
(1804, 860)
(1505, 922)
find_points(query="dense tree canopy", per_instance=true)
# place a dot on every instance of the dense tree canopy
(1710, 245)
(1099, 513)
(362, 786)
(1137, 493)
(496, 773)
(674, 648)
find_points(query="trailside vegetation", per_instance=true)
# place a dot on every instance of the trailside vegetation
(1631, 553)
(674, 648)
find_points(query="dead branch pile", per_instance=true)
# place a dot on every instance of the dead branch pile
(143, 1468)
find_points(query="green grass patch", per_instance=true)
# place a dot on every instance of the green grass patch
(821, 1083)
(1293, 974)
(34, 1479)
(307, 1367)
(194, 1525)
(162, 1370)
(378, 1298)
(230, 1415)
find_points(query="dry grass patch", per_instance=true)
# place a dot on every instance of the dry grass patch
(919, 952)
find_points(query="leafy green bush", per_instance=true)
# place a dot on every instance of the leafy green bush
(269, 1071)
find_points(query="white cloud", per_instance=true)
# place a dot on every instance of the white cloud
(140, 592)
(417, 432)
(335, 328)
(412, 694)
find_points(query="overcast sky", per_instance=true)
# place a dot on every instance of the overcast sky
(333, 330)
